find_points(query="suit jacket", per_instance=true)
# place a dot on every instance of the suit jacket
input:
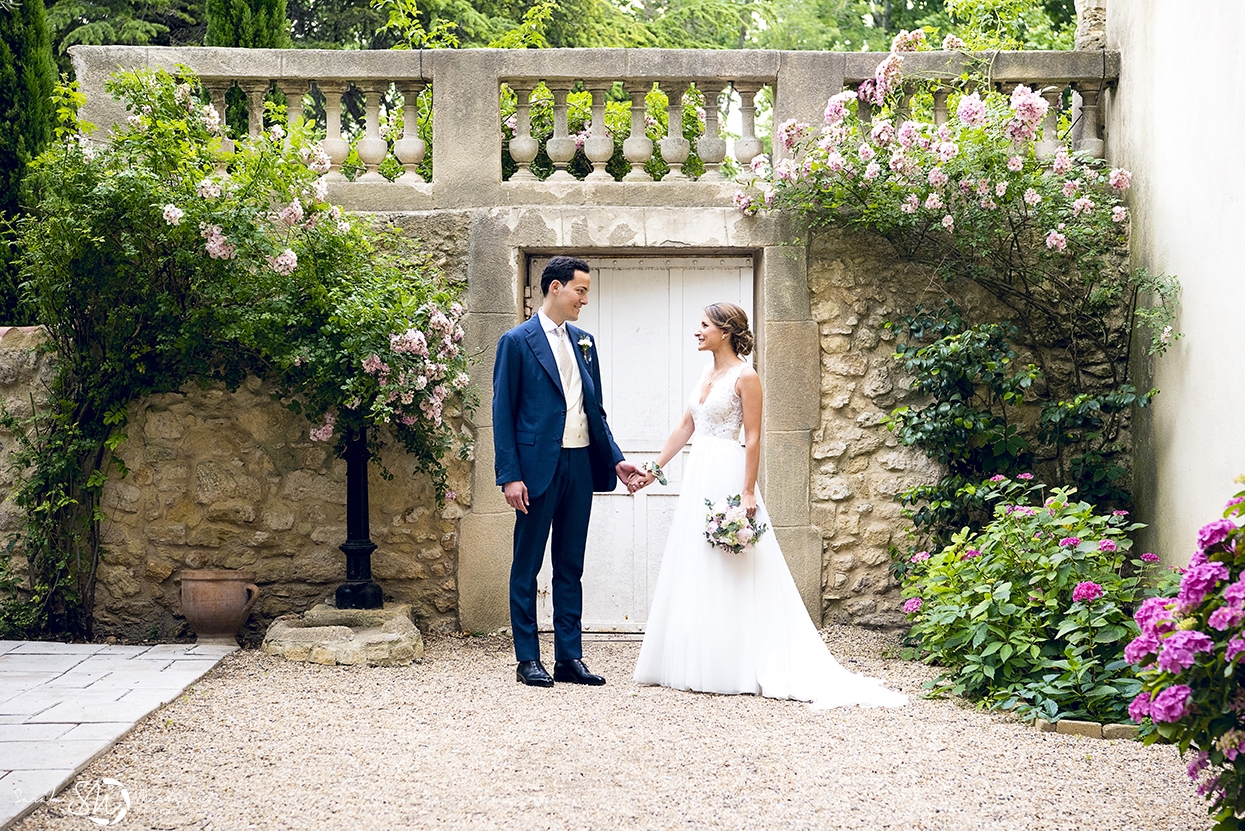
(529, 410)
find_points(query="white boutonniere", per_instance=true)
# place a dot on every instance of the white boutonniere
(585, 346)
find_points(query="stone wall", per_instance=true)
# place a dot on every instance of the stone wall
(858, 284)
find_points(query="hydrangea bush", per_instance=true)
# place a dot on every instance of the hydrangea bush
(157, 259)
(1032, 613)
(1187, 652)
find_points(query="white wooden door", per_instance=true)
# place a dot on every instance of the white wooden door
(642, 313)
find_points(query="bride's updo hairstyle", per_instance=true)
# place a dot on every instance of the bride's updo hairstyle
(732, 320)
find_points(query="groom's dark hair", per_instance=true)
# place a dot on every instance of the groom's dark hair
(563, 270)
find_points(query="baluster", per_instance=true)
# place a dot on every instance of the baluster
(255, 92)
(217, 93)
(523, 148)
(336, 146)
(904, 105)
(1091, 139)
(940, 106)
(711, 147)
(675, 148)
(864, 111)
(410, 149)
(561, 148)
(599, 148)
(638, 147)
(748, 146)
(372, 149)
(293, 91)
(1050, 144)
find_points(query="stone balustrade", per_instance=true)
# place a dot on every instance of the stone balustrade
(465, 110)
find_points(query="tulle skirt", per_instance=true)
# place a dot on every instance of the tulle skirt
(735, 623)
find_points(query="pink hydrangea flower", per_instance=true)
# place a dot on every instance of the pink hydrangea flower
(1154, 616)
(913, 605)
(971, 554)
(1070, 542)
(1213, 533)
(1225, 617)
(1235, 647)
(1198, 581)
(1107, 545)
(1171, 704)
(1086, 591)
(1140, 707)
(1147, 643)
(920, 556)
(1149, 557)
(1024, 476)
(1119, 178)
(971, 110)
(1179, 649)
(998, 477)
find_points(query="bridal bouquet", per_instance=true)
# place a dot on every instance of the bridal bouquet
(728, 526)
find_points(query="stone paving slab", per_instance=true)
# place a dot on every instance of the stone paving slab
(62, 705)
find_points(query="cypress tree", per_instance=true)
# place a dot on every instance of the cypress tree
(254, 24)
(27, 79)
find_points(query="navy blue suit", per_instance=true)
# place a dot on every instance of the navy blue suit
(529, 418)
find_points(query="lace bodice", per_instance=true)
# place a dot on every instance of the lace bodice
(722, 414)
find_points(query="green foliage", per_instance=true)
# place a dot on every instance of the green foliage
(253, 24)
(157, 260)
(137, 22)
(530, 34)
(997, 609)
(1187, 656)
(27, 77)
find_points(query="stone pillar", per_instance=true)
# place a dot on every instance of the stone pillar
(940, 106)
(675, 148)
(410, 149)
(638, 147)
(561, 148)
(711, 147)
(1090, 140)
(372, 149)
(748, 146)
(523, 148)
(1049, 143)
(336, 146)
(255, 92)
(217, 92)
(599, 148)
(293, 91)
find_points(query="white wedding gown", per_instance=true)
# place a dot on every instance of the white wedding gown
(735, 623)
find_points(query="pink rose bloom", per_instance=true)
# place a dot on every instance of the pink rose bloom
(1000, 189)
(1119, 213)
(1056, 241)
(908, 133)
(971, 110)
(1180, 648)
(933, 202)
(937, 177)
(1140, 708)
(836, 162)
(1119, 179)
(791, 133)
(866, 153)
(1171, 704)
(1082, 205)
(910, 204)
(951, 43)
(1069, 188)
(948, 150)
(836, 107)
(906, 41)
(913, 605)
(1015, 164)
(872, 171)
(1062, 163)
(883, 131)
(948, 222)
(1032, 197)
(1086, 591)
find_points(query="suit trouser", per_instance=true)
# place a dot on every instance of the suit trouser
(563, 509)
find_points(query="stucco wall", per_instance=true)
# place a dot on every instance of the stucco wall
(1174, 121)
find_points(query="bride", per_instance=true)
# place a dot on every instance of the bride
(723, 622)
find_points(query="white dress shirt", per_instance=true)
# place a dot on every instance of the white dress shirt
(575, 434)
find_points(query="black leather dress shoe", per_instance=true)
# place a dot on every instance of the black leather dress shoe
(574, 672)
(534, 674)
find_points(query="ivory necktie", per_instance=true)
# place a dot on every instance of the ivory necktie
(566, 361)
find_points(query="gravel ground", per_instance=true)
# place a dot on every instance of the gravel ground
(456, 743)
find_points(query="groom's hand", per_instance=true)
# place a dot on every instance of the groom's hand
(516, 495)
(630, 475)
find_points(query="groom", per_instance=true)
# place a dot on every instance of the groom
(553, 449)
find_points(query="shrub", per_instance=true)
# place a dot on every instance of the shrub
(1032, 613)
(1187, 653)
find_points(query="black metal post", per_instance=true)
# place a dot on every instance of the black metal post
(358, 592)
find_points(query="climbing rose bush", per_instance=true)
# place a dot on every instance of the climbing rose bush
(1187, 652)
(1033, 612)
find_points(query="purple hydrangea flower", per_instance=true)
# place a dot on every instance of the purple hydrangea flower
(1149, 557)
(913, 605)
(1070, 542)
(1154, 617)
(1171, 704)
(1214, 533)
(1199, 580)
(1140, 707)
(1142, 646)
(1180, 648)
(1225, 617)
(998, 477)
(920, 556)
(970, 554)
(1086, 591)
(1235, 647)
(1107, 545)
(1235, 593)
(1198, 764)
(1025, 476)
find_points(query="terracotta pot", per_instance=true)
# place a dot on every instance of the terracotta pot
(216, 602)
